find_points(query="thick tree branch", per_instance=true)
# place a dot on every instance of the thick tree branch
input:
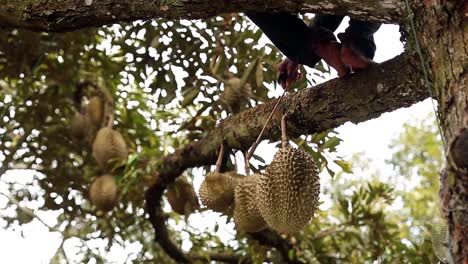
(363, 96)
(66, 15)
(386, 87)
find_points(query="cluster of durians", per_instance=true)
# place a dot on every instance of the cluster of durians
(91, 125)
(283, 198)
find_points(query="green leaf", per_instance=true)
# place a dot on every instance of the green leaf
(346, 166)
(189, 96)
(331, 143)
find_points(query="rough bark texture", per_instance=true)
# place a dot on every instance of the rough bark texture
(66, 15)
(443, 35)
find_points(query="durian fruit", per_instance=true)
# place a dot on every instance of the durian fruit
(440, 240)
(109, 147)
(95, 111)
(217, 191)
(247, 217)
(235, 95)
(103, 193)
(182, 197)
(79, 126)
(288, 191)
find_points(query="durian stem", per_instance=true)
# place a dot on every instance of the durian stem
(110, 122)
(257, 142)
(247, 164)
(284, 132)
(219, 161)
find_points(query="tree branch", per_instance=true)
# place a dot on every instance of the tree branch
(67, 15)
(360, 97)
(272, 239)
(357, 98)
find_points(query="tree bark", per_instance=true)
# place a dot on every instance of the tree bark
(67, 15)
(442, 27)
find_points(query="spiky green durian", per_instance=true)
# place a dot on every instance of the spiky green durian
(288, 191)
(109, 147)
(247, 217)
(103, 193)
(217, 191)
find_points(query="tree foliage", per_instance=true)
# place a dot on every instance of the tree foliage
(165, 78)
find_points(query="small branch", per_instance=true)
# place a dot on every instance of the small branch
(156, 216)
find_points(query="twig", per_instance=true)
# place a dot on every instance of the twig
(156, 216)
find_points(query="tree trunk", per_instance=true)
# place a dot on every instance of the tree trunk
(442, 27)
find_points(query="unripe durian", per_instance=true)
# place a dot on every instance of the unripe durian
(103, 193)
(95, 111)
(440, 240)
(109, 147)
(288, 192)
(79, 126)
(182, 197)
(217, 191)
(235, 95)
(247, 217)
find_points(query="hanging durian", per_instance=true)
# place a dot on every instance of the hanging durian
(95, 111)
(103, 193)
(108, 148)
(79, 126)
(217, 191)
(182, 197)
(235, 94)
(247, 217)
(440, 240)
(288, 191)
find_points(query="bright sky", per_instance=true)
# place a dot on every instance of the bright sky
(371, 138)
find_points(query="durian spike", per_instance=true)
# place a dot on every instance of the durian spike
(255, 144)
(284, 132)
(219, 161)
